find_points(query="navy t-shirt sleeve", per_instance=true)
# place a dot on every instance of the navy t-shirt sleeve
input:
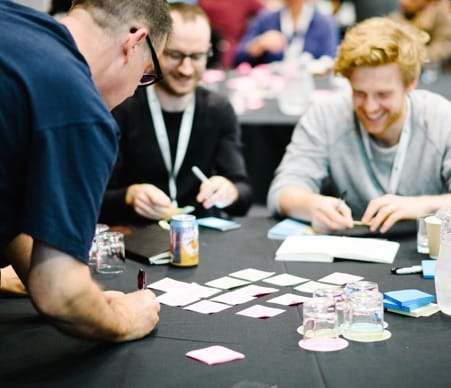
(68, 172)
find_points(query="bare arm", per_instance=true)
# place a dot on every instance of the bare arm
(61, 288)
(325, 213)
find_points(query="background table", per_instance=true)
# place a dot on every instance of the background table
(32, 353)
(266, 133)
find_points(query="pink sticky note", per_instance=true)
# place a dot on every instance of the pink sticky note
(215, 355)
(288, 299)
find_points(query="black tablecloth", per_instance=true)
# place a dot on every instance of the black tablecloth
(33, 353)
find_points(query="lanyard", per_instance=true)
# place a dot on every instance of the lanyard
(163, 141)
(295, 37)
(401, 152)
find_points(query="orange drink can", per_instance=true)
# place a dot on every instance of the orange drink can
(184, 240)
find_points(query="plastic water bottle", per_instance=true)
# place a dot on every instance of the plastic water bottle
(442, 274)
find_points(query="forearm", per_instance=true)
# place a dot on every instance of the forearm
(61, 288)
(428, 204)
(298, 203)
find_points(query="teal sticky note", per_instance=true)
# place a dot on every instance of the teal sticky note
(428, 268)
(409, 298)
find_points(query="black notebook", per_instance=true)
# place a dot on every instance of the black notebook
(149, 245)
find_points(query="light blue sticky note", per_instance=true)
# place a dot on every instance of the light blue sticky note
(428, 268)
(409, 298)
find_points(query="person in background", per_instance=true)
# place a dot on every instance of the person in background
(285, 33)
(229, 19)
(171, 127)
(386, 145)
(433, 17)
(59, 144)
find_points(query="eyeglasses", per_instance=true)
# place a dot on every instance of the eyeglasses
(177, 57)
(151, 78)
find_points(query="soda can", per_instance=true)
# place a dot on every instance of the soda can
(184, 240)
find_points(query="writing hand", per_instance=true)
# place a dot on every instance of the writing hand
(149, 201)
(330, 214)
(218, 191)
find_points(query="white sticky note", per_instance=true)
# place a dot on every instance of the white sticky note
(285, 279)
(251, 274)
(311, 286)
(167, 284)
(207, 307)
(226, 283)
(233, 298)
(259, 311)
(340, 278)
(175, 298)
(255, 290)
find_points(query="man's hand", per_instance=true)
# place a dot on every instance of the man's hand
(218, 191)
(330, 214)
(149, 201)
(141, 309)
(10, 282)
(383, 212)
(271, 40)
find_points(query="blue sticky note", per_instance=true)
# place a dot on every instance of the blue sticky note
(411, 298)
(428, 268)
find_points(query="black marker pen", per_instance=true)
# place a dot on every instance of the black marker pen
(142, 279)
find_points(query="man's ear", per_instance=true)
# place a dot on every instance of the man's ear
(412, 85)
(135, 38)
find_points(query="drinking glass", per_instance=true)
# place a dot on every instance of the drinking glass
(111, 253)
(93, 251)
(321, 332)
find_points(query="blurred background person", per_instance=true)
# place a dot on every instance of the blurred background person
(386, 144)
(168, 129)
(433, 17)
(286, 33)
(229, 20)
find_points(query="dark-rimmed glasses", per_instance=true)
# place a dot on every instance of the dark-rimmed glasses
(155, 76)
(177, 57)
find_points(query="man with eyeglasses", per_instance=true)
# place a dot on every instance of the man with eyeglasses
(59, 143)
(171, 127)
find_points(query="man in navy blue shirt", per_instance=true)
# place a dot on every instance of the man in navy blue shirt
(59, 144)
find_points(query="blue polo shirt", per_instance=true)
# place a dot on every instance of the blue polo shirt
(58, 140)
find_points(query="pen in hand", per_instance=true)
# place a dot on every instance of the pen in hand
(198, 172)
(142, 279)
(341, 200)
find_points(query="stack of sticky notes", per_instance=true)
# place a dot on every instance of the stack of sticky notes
(410, 302)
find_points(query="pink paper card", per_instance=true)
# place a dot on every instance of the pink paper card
(233, 298)
(340, 278)
(176, 298)
(255, 290)
(288, 299)
(167, 284)
(207, 307)
(216, 354)
(259, 311)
